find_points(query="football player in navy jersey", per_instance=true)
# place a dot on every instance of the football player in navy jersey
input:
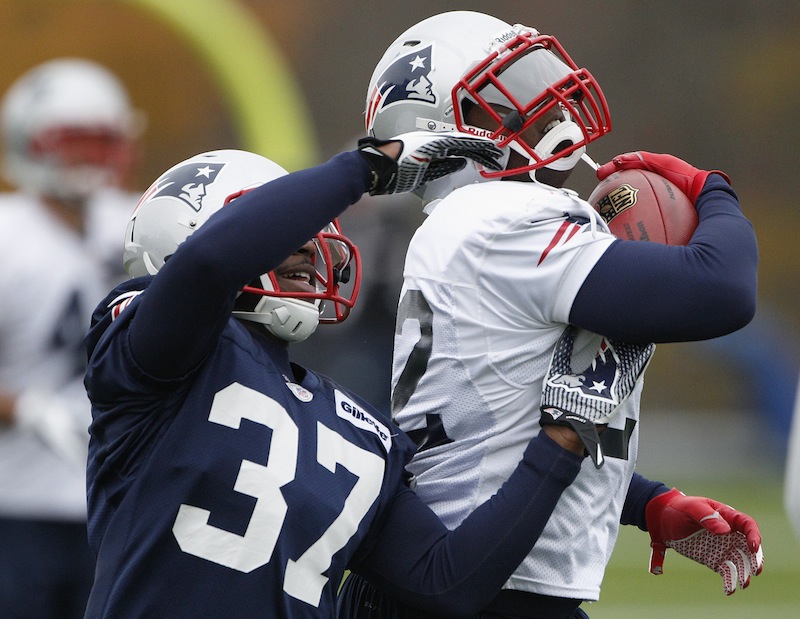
(511, 278)
(225, 481)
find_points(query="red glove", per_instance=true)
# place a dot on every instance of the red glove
(686, 177)
(706, 531)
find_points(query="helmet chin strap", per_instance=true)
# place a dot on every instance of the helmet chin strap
(291, 320)
(565, 131)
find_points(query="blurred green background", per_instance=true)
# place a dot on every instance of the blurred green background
(714, 82)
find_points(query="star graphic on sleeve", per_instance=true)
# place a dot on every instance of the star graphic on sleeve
(417, 63)
(598, 387)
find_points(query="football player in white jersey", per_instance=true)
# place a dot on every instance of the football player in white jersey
(504, 262)
(69, 144)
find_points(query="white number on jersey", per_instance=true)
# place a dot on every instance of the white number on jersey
(303, 578)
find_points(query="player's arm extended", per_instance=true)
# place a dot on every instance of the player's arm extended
(457, 573)
(648, 292)
(191, 298)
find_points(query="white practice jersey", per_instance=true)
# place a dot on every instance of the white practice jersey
(489, 281)
(51, 279)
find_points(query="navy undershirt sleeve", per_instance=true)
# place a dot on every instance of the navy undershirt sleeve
(640, 492)
(417, 560)
(648, 292)
(190, 300)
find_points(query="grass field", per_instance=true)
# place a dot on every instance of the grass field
(687, 589)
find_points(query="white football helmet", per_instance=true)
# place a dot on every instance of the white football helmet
(437, 70)
(186, 195)
(68, 129)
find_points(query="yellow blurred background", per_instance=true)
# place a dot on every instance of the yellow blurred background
(713, 82)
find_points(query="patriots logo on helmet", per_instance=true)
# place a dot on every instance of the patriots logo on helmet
(188, 183)
(407, 78)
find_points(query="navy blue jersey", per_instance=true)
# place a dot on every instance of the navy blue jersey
(199, 478)
(224, 481)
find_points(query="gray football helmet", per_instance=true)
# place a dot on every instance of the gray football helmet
(68, 129)
(186, 195)
(437, 70)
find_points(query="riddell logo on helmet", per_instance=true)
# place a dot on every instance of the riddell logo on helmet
(502, 38)
(483, 133)
(406, 79)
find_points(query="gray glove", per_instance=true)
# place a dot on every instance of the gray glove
(586, 399)
(425, 156)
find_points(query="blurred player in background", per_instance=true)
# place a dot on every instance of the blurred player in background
(495, 275)
(69, 146)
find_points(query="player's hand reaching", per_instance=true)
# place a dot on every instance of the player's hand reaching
(706, 531)
(583, 400)
(424, 157)
(686, 177)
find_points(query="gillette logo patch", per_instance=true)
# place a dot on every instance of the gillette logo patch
(349, 411)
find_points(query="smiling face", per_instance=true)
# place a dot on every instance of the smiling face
(298, 273)
(317, 283)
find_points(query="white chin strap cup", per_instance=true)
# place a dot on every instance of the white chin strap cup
(566, 131)
(291, 320)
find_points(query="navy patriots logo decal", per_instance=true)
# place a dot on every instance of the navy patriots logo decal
(598, 381)
(188, 183)
(407, 78)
